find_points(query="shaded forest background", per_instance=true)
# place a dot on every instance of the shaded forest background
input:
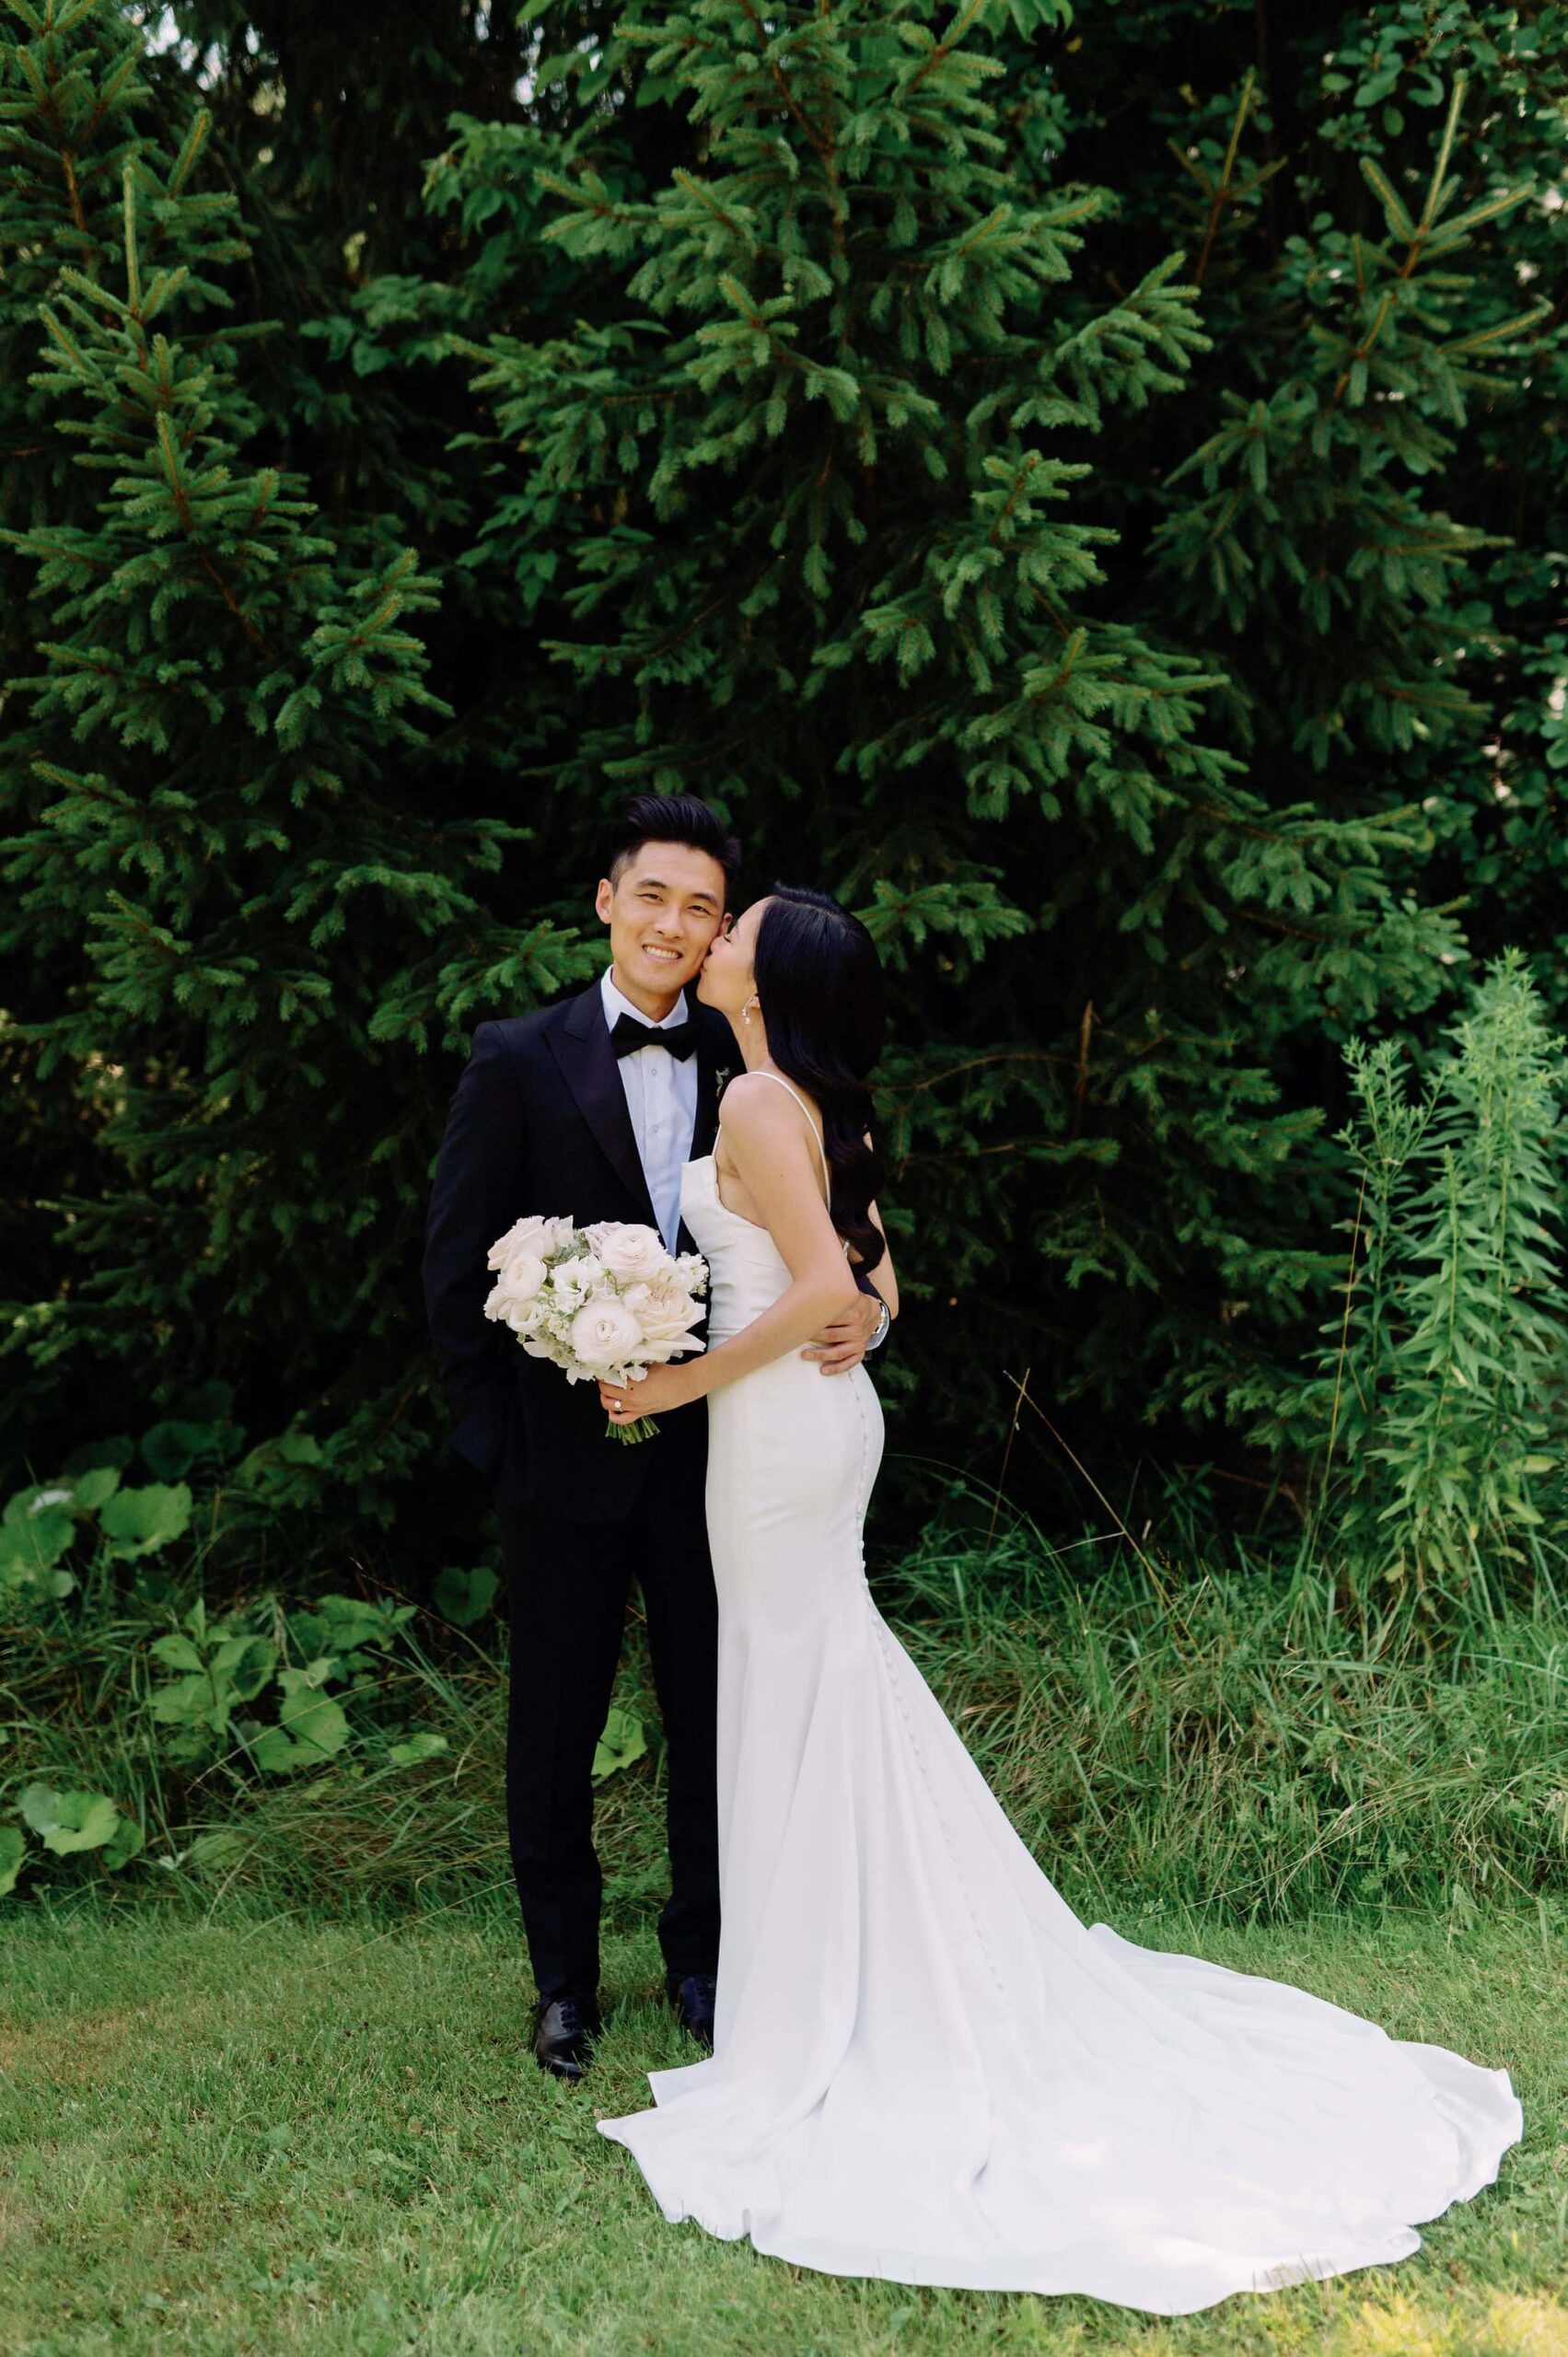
(1087, 486)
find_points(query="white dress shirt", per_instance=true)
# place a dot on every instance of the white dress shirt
(661, 1097)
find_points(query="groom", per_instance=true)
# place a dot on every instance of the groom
(590, 1107)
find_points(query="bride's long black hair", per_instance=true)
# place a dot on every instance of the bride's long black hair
(820, 984)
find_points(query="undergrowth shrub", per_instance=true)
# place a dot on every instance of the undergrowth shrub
(1436, 1415)
(154, 1694)
(1252, 1739)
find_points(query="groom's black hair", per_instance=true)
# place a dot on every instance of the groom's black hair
(674, 819)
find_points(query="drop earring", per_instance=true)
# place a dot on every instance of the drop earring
(746, 1016)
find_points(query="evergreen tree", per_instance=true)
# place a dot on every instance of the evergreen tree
(216, 771)
(75, 105)
(814, 494)
(1359, 533)
(1120, 1018)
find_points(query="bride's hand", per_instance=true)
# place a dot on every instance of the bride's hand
(660, 1389)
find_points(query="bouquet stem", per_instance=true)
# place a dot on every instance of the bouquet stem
(643, 1429)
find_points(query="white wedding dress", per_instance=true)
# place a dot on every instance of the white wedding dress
(925, 2067)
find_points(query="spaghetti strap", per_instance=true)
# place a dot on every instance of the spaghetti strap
(810, 1124)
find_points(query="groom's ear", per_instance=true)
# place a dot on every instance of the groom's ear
(603, 899)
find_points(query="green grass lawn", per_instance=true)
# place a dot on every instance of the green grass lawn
(241, 2134)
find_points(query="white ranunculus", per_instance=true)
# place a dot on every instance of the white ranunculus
(663, 1308)
(521, 1278)
(632, 1255)
(605, 1334)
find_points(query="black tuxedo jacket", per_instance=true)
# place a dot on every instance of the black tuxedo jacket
(539, 1123)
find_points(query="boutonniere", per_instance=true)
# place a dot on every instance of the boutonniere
(720, 1077)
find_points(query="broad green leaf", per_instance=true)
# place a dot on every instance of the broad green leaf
(243, 1665)
(317, 1674)
(190, 1702)
(276, 1752)
(138, 1522)
(313, 1719)
(283, 1450)
(623, 1740)
(115, 1452)
(37, 1806)
(31, 1549)
(171, 1449)
(126, 1843)
(348, 1622)
(177, 1652)
(69, 1821)
(214, 1853)
(464, 1597)
(416, 1748)
(13, 1849)
(41, 1498)
(92, 1488)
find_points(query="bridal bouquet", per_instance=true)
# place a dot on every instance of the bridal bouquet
(604, 1303)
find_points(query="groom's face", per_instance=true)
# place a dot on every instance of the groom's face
(663, 911)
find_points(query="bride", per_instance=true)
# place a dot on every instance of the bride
(924, 2066)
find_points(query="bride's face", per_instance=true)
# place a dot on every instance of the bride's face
(725, 981)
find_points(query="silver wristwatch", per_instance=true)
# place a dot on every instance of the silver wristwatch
(882, 1325)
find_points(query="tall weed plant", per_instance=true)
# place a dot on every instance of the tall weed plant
(1438, 1404)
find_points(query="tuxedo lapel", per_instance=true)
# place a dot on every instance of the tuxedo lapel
(582, 1049)
(717, 1059)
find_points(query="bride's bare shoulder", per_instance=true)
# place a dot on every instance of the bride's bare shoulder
(756, 1113)
(756, 1097)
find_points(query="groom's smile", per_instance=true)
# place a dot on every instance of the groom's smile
(663, 910)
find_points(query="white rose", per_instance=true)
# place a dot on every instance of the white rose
(523, 1235)
(664, 1309)
(632, 1255)
(536, 1235)
(604, 1334)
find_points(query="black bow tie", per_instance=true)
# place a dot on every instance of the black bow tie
(628, 1035)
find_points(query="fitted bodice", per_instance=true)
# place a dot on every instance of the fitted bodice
(747, 1273)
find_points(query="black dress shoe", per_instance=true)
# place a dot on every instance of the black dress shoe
(693, 2001)
(564, 2030)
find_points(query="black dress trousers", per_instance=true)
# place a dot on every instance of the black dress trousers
(568, 1583)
